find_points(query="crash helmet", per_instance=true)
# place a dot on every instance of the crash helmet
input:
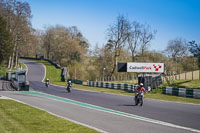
(141, 84)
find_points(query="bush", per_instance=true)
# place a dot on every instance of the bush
(2, 71)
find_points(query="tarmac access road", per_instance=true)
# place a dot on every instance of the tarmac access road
(108, 112)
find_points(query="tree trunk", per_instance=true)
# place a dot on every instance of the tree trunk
(114, 66)
(9, 62)
(142, 51)
(16, 57)
(133, 58)
(13, 56)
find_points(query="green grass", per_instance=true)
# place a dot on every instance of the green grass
(3, 71)
(186, 84)
(22, 64)
(21, 118)
(157, 94)
(54, 75)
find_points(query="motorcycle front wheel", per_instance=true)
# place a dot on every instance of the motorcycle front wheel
(141, 102)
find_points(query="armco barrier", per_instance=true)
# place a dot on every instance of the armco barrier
(126, 87)
(182, 92)
(76, 81)
(50, 61)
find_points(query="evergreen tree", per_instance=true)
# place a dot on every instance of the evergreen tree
(5, 42)
(194, 48)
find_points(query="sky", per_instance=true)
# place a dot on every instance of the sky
(170, 18)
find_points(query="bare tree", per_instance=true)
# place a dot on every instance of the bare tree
(134, 36)
(176, 48)
(146, 36)
(118, 33)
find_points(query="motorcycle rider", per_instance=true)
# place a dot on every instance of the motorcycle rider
(47, 82)
(141, 90)
(69, 85)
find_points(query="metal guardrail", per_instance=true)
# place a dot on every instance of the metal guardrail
(50, 61)
(76, 81)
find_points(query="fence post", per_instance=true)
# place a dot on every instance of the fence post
(199, 74)
(185, 75)
(192, 75)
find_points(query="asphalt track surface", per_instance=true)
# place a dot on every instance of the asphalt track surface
(177, 114)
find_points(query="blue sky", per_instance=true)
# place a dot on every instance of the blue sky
(171, 18)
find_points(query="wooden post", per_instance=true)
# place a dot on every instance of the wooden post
(199, 74)
(126, 77)
(185, 75)
(192, 75)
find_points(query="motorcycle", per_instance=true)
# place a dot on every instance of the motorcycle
(47, 84)
(139, 99)
(69, 88)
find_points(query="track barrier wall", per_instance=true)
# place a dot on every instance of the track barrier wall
(126, 87)
(182, 92)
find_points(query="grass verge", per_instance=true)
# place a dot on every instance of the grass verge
(21, 118)
(157, 94)
(54, 75)
(22, 64)
(186, 84)
(3, 71)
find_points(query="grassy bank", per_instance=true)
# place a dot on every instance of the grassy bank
(54, 75)
(186, 84)
(52, 72)
(20, 118)
(23, 66)
(3, 70)
(157, 94)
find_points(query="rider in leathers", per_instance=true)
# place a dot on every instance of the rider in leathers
(140, 89)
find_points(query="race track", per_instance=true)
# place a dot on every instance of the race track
(156, 116)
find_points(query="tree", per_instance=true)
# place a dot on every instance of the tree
(194, 48)
(5, 42)
(176, 48)
(63, 46)
(17, 16)
(134, 38)
(146, 36)
(32, 45)
(118, 34)
(139, 35)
